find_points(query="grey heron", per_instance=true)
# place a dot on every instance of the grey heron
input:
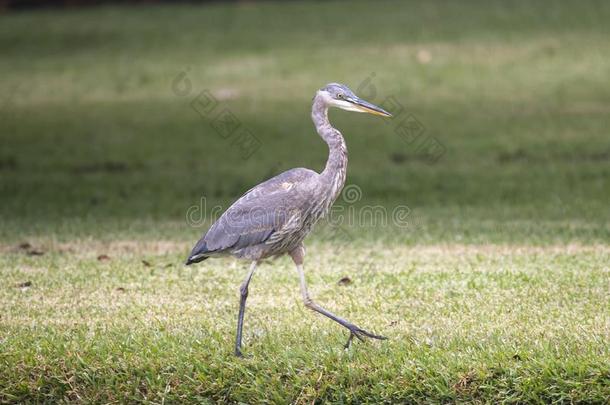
(273, 218)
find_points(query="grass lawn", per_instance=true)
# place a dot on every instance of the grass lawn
(495, 289)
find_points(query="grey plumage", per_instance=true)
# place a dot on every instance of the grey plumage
(252, 227)
(274, 217)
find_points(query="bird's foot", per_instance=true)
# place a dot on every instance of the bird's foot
(238, 353)
(360, 334)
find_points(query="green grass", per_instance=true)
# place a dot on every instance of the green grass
(482, 323)
(496, 290)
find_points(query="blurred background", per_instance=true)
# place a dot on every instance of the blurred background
(115, 118)
(125, 127)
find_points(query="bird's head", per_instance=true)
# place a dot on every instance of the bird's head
(340, 96)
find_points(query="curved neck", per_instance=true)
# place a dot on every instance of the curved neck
(336, 165)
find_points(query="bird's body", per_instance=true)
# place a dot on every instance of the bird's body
(274, 217)
(248, 231)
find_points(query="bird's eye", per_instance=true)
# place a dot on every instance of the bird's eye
(340, 95)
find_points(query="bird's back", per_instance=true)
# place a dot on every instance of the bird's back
(267, 220)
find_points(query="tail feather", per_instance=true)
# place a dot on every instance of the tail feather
(195, 259)
(198, 254)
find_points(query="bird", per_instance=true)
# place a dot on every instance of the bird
(273, 218)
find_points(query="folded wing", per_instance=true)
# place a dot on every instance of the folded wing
(254, 217)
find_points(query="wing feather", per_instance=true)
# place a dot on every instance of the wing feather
(255, 216)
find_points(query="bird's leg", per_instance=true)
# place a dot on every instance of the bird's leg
(297, 256)
(243, 290)
(349, 341)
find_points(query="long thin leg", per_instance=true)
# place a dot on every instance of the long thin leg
(297, 256)
(243, 290)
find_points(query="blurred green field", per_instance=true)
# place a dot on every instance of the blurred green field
(496, 290)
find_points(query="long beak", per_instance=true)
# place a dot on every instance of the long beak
(366, 107)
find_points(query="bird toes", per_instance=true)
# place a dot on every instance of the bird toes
(360, 334)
